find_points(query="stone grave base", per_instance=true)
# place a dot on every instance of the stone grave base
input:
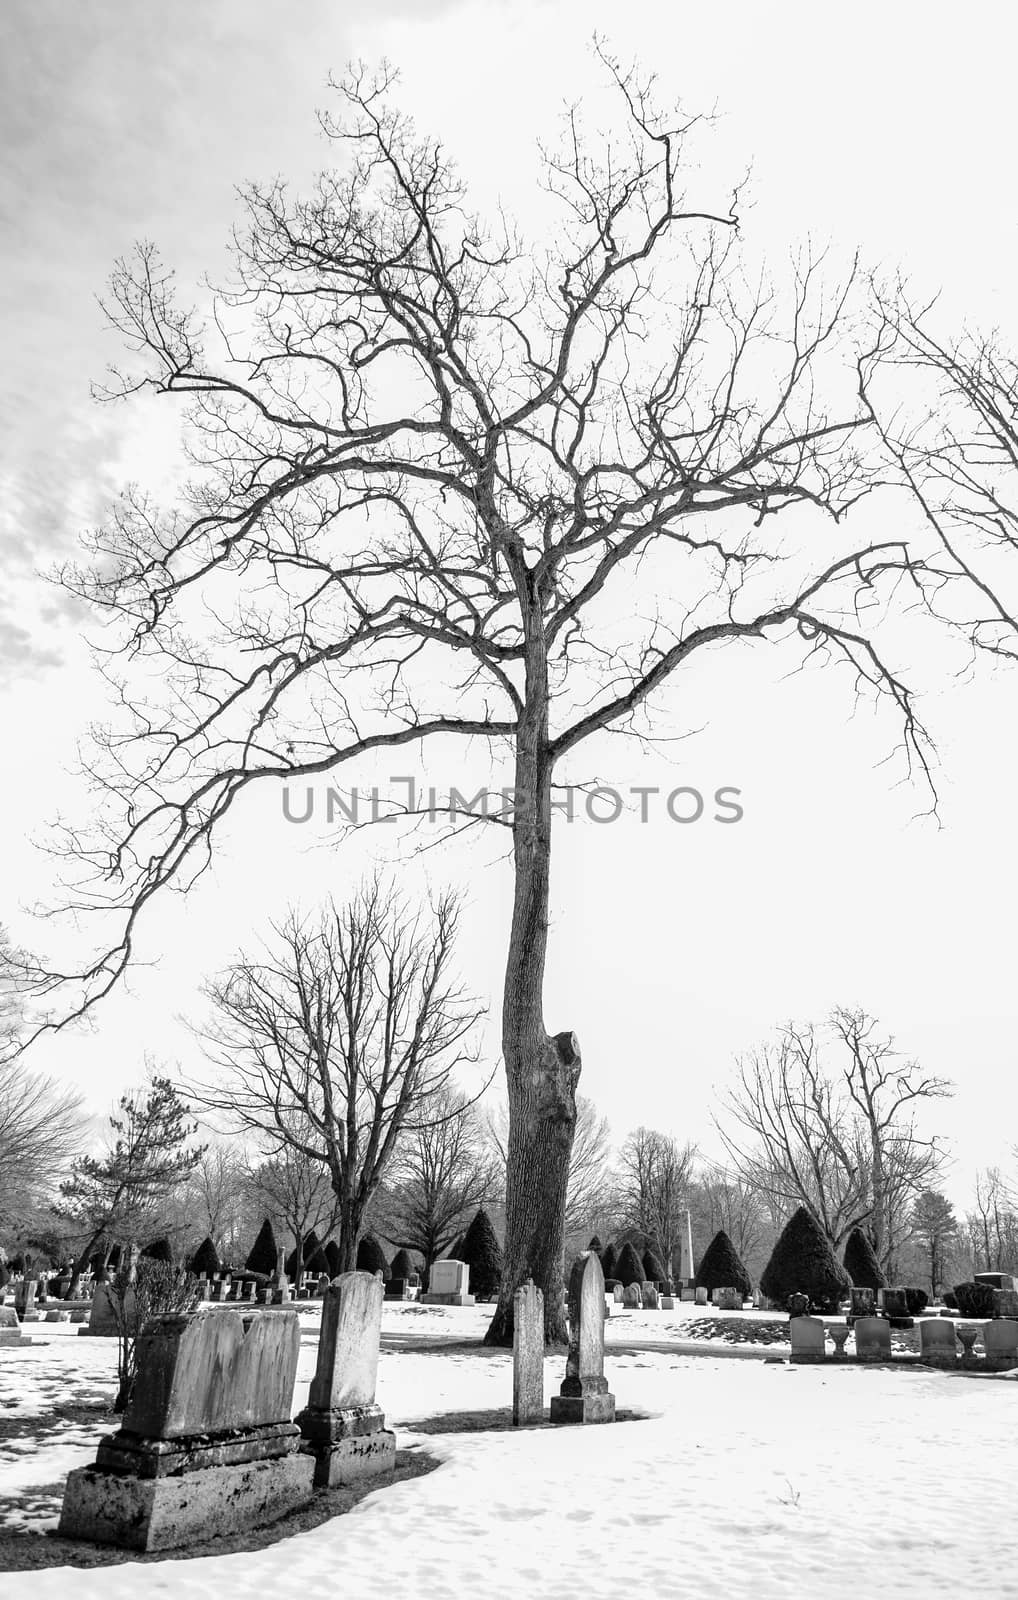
(448, 1300)
(166, 1513)
(591, 1407)
(12, 1336)
(349, 1461)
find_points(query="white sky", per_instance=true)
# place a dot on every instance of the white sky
(673, 948)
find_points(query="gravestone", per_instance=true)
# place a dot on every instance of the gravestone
(280, 1282)
(528, 1354)
(728, 1299)
(342, 1423)
(250, 1289)
(938, 1346)
(806, 1335)
(863, 1303)
(892, 1302)
(632, 1296)
(1000, 1338)
(651, 1298)
(56, 1314)
(397, 1289)
(448, 1285)
(24, 1296)
(997, 1280)
(10, 1328)
(667, 1302)
(222, 1290)
(700, 1296)
(102, 1316)
(872, 1339)
(1005, 1301)
(687, 1295)
(584, 1395)
(206, 1445)
(618, 1294)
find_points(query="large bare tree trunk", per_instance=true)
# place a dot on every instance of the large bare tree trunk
(541, 1071)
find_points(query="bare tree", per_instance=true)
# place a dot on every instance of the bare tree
(724, 1200)
(652, 1186)
(442, 1173)
(41, 1129)
(843, 1143)
(294, 1188)
(993, 1224)
(454, 486)
(336, 1042)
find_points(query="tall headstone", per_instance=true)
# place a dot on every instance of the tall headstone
(1000, 1339)
(806, 1335)
(528, 1354)
(584, 1395)
(700, 1297)
(632, 1296)
(872, 1338)
(342, 1423)
(24, 1297)
(938, 1345)
(206, 1445)
(651, 1298)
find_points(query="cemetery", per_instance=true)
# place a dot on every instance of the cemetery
(457, 1137)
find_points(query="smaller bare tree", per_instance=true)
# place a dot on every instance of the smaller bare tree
(653, 1184)
(340, 1037)
(589, 1194)
(293, 1189)
(443, 1171)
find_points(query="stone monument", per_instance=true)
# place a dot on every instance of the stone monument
(342, 1424)
(584, 1395)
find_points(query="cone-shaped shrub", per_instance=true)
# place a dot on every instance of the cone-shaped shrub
(159, 1250)
(205, 1259)
(318, 1263)
(455, 1250)
(861, 1262)
(312, 1245)
(483, 1255)
(803, 1262)
(628, 1266)
(402, 1265)
(595, 1244)
(653, 1271)
(333, 1257)
(609, 1257)
(262, 1255)
(721, 1268)
(371, 1257)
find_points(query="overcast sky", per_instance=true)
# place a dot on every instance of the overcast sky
(674, 948)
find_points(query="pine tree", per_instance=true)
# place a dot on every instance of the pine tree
(861, 1262)
(595, 1244)
(402, 1265)
(334, 1258)
(654, 1271)
(483, 1255)
(721, 1268)
(205, 1259)
(159, 1250)
(371, 1257)
(803, 1262)
(312, 1245)
(609, 1260)
(629, 1267)
(262, 1255)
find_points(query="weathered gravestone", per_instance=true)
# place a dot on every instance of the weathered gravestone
(10, 1328)
(528, 1354)
(222, 1289)
(206, 1445)
(24, 1297)
(728, 1299)
(872, 1338)
(343, 1425)
(448, 1285)
(650, 1296)
(102, 1317)
(700, 1297)
(938, 1346)
(893, 1302)
(632, 1296)
(1000, 1339)
(667, 1302)
(618, 1294)
(584, 1395)
(863, 1303)
(687, 1295)
(806, 1335)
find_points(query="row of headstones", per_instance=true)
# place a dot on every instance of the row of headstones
(646, 1296)
(938, 1340)
(207, 1446)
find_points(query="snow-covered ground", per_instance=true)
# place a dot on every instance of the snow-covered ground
(778, 1480)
